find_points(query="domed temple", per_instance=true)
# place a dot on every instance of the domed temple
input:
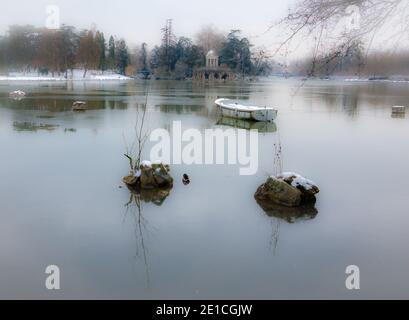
(212, 70)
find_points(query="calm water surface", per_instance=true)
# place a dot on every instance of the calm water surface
(61, 201)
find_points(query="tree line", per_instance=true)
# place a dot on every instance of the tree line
(353, 60)
(178, 57)
(27, 48)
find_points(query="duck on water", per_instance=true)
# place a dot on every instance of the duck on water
(234, 109)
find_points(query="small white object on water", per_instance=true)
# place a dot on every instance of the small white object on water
(79, 106)
(79, 103)
(398, 109)
(298, 180)
(17, 94)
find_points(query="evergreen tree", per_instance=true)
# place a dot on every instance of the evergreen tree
(102, 50)
(111, 53)
(236, 53)
(122, 56)
(144, 61)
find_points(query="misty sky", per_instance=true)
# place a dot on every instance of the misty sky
(140, 20)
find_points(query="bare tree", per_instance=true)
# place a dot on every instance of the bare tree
(209, 38)
(343, 23)
(134, 150)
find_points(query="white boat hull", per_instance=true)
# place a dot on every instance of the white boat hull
(234, 110)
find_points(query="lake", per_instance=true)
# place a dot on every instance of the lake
(62, 200)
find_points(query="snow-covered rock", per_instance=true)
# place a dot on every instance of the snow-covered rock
(307, 187)
(17, 93)
(289, 189)
(150, 176)
(297, 180)
(279, 192)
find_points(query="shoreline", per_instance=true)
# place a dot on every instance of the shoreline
(103, 78)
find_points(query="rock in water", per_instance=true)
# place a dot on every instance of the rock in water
(307, 187)
(155, 175)
(150, 176)
(147, 179)
(162, 177)
(279, 192)
(130, 180)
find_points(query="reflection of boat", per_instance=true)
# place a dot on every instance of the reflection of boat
(260, 126)
(398, 112)
(289, 214)
(236, 110)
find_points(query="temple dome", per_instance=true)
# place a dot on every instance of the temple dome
(212, 59)
(211, 54)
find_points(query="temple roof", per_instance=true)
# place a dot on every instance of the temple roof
(211, 54)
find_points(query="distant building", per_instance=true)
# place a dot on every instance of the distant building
(212, 60)
(212, 70)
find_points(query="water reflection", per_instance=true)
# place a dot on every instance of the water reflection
(398, 115)
(134, 208)
(155, 196)
(289, 214)
(260, 126)
(180, 109)
(30, 126)
(63, 104)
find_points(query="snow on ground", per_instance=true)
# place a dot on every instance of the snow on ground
(29, 78)
(377, 80)
(76, 75)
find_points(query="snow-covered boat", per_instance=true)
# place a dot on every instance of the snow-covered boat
(237, 110)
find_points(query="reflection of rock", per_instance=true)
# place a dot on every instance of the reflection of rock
(289, 189)
(260, 126)
(156, 196)
(304, 211)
